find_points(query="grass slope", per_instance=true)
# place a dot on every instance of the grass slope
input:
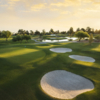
(21, 69)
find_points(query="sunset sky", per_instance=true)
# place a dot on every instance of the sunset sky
(47, 14)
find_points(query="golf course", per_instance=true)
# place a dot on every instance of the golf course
(22, 66)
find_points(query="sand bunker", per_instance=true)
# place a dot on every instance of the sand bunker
(82, 58)
(65, 85)
(61, 50)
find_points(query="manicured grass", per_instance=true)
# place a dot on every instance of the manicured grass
(23, 65)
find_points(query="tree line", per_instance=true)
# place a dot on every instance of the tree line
(24, 34)
(69, 32)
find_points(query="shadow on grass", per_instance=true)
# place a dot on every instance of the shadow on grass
(27, 85)
(24, 81)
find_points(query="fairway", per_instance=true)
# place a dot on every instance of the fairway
(23, 65)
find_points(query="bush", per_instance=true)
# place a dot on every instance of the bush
(27, 37)
(14, 39)
(18, 37)
(97, 37)
(70, 39)
(86, 39)
(81, 34)
(21, 37)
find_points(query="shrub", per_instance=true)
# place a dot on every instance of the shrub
(86, 39)
(70, 39)
(21, 37)
(18, 37)
(97, 37)
(14, 39)
(27, 37)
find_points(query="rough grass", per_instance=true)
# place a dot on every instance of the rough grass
(21, 68)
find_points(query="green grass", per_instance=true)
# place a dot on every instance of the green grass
(21, 68)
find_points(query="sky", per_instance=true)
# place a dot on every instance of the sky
(46, 14)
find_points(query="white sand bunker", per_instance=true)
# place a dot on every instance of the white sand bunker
(61, 50)
(82, 58)
(65, 85)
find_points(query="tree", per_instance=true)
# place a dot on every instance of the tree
(92, 30)
(14, 39)
(88, 29)
(37, 32)
(51, 31)
(91, 39)
(97, 31)
(57, 32)
(81, 34)
(0, 34)
(31, 32)
(43, 32)
(63, 32)
(97, 37)
(68, 32)
(20, 38)
(21, 31)
(82, 29)
(27, 37)
(71, 31)
(6, 34)
(27, 32)
(78, 29)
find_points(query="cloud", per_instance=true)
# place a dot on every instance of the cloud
(38, 7)
(54, 9)
(5, 5)
(66, 3)
(89, 10)
(14, 0)
(59, 4)
(12, 3)
(53, 13)
(65, 12)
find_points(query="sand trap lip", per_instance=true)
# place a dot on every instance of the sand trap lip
(61, 50)
(64, 85)
(82, 58)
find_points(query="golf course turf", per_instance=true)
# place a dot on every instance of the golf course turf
(22, 66)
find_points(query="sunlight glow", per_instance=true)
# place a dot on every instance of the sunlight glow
(46, 14)
(96, 48)
(17, 53)
(83, 63)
